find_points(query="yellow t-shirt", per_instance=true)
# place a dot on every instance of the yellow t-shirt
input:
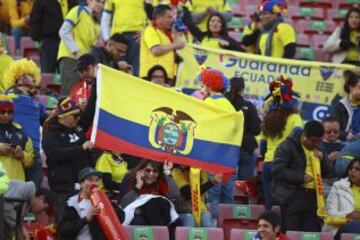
(85, 31)
(200, 6)
(182, 179)
(283, 35)
(309, 168)
(293, 121)
(248, 30)
(353, 53)
(5, 61)
(220, 101)
(150, 38)
(18, 14)
(127, 15)
(356, 194)
(211, 43)
(117, 168)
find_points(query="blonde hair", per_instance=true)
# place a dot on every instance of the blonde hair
(20, 68)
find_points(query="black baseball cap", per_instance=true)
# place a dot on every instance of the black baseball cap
(84, 61)
(87, 172)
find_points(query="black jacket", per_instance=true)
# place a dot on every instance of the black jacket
(46, 19)
(340, 112)
(251, 123)
(65, 155)
(288, 169)
(102, 56)
(70, 222)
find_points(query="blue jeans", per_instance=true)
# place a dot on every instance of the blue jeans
(246, 165)
(266, 182)
(341, 165)
(133, 51)
(221, 193)
(34, 173)
(350, 227)
(48, 52)
(189, 221)
(17, 33)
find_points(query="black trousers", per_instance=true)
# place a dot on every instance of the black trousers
(299, 212)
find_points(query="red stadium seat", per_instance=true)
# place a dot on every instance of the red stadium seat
(349, 236)
(11, 45)
(303, 40)
(183, 233)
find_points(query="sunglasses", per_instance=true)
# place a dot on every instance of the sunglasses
(8, 112)
(149, 170)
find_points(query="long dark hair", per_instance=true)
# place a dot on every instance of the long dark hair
(275, 121)
(355, 160)
(223, 31)
(142, 165)
(237, 86)
(155, 68)
(345, 31)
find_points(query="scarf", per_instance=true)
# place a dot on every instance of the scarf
(195, 194)
(269, 29)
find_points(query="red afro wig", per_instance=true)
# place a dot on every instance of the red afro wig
(213, 79)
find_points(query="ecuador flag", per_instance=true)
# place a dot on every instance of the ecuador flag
(143, 119)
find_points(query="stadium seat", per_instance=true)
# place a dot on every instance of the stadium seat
(238, 11)
(235, 23)
(308, 13)
(319, 41)
(28, 47)
(245, 192)
(241, 234)
(11, 45)
(303, 40)
(235, 35)
(349, 236)
(185, 233)
(305, 53)
(157, 232)
(296, 235)
(46, 79)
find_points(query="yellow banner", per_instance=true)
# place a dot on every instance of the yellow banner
(317, 82)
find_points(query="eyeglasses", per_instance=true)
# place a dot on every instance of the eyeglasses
(8, 112)
(149, 170)
(332, 131)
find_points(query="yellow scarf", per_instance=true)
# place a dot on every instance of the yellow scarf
(195, 194)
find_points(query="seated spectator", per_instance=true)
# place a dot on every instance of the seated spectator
(269, 227)
(202, 9)
(19, 13)
(66, 148)
(148, 194)
(181, 176)
(5, 61)
(4, 180)
(34, 201)
(276, 38)
(247, 161)
(344, 43)
(348, 153)
(79, 218)
(295, 168)
(158, 75)
(215, 36)
(22, 80)
(343, 203)
(347, 110)
(113, 169)
(16, 148)
(157, 45)
(78, 35)
(80, 92)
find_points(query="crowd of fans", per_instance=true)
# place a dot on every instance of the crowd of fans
(141, 37)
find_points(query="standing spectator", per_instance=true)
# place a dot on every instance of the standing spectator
(21, 81)
(36, 202)
(276, 39)
(78, 34)
(46, 18)
(157, 44)
(332, 146)
(344, 43)
(294, 178)
(66, 148)
(202, 9)
(19, 13)
(279, 122)
(4, 17)
(79, 218)
(344, 202)
(80, 92)
(127, 17)
(247, 161)
(251, 33)
(181, 176)
(269, 227)
(347, 110)
(16, 149)
(158, 75)
(215, 35)
(114, 51)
